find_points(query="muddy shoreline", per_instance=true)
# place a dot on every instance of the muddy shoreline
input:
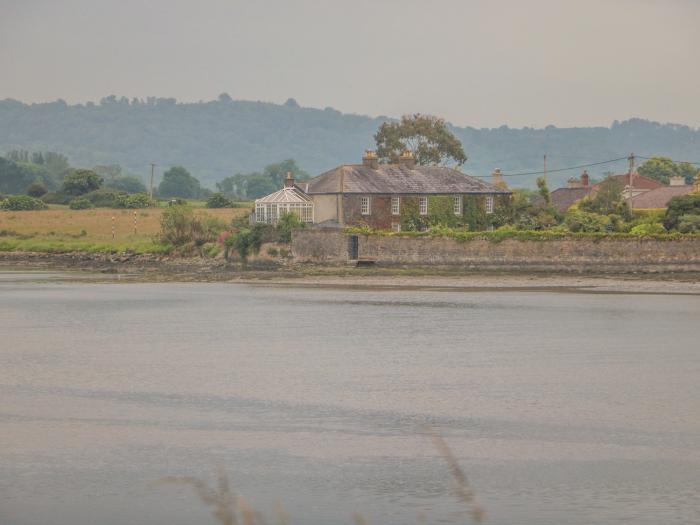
(159, 268)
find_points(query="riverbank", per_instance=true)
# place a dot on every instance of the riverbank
(163, 268)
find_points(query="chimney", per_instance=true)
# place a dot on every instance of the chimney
(573, 182)
(676, 181)
(497, 178)
(370, 159)
(407, 159)
(584, 179)
(289, 180)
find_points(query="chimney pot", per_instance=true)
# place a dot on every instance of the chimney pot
(370, 159)
(407, 159)
(677, 181)
(289, 180)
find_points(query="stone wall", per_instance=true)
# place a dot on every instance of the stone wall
(331, 247)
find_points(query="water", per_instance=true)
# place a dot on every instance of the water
(562, 408)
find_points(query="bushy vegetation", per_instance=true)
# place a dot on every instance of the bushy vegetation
(219, 200)
(22, 203)
(679, 208)
(80, 203)
(182, 229)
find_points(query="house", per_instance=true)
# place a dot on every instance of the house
(387, 196)
(660, 197)
(578, 188)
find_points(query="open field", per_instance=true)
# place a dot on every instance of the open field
(63, 229)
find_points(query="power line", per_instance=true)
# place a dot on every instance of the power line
(556, 170)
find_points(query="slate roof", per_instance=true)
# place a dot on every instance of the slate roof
(398, 179)
(659, 197)
(564, 198)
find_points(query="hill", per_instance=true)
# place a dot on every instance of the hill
(219, 138)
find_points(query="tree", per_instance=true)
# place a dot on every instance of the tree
(37, 190)
(127, 183)
(256, 184)
(608, 200)
(109, 171)
(544, 191)
(679, 207)
(177, 182)
(246, 241)
(663, 168)
(426, 136)
(79, 182)
(219, 200)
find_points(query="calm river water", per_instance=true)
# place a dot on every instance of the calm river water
(562, 408)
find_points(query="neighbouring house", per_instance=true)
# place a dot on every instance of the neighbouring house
(578, 188)
(660, 197)
(401, 196)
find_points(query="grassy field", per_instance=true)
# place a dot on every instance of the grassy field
(61, 229)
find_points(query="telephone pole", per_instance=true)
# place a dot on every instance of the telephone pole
(631, 180)
(152, 168)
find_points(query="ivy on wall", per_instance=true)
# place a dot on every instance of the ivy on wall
(441, 212)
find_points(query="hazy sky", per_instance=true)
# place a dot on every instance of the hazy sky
(478, 63)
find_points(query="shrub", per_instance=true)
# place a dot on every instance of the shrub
(245, 242)
(219, 200)
(648, 228)
(680, 206)
(689, 223)
(180, 227)
(80, 203)
(286, 223)
(103, 198)
(137, 200)
(22, 203)
(581, 221)
(57, 198)
(37, 190)
(272, 251)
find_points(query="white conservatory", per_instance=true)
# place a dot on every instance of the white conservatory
(289, 199)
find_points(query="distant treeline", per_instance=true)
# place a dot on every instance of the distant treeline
(220, 138)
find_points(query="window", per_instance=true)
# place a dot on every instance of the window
(364, 206)
(395, 205)
(396, 226)
(457, 204)
(489, 204)
(423, 205)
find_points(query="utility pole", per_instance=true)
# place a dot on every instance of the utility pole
(631, 180)
(544, 171)
(152, 168)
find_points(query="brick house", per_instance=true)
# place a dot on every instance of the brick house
(402, 196)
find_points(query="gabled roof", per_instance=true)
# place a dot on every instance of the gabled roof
(398, 179)
(640, 182)
(564, 198)
(287, 194)
(659, 197)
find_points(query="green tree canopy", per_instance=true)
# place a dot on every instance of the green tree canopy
(127, 183)
(79, 182)
(663, 168)
(254, 185)
(426, 136)
(178, 182)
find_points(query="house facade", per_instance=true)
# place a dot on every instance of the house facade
(402, 196)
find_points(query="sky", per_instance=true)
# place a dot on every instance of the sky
(475, 63)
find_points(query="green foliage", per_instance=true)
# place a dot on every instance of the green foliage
(582, 221)
(80, 203)
(663, 168)
(37, 190)
(648, 228)
(22, 203)
(428, 137)
(57, 198)
(286, 223)
(608, 200)
(179, 227)
(80, 182)
(680, 206)
(137, 200)
(689, 224)
(245, 242)
(219, 200)
(254, 185)
(178, 182)
(128, 184)
(544, 190)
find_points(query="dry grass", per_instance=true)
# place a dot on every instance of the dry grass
(230, 509)
(97, 222)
